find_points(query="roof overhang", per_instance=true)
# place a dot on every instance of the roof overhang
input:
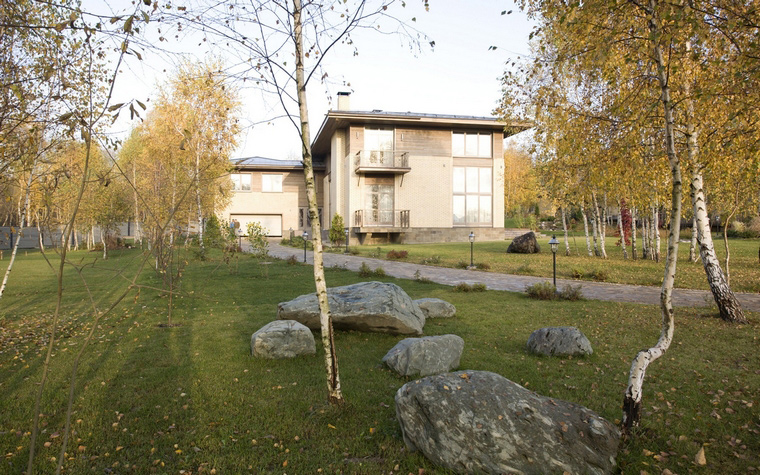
(335, 120)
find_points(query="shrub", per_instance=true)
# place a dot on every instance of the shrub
(600, 275)
(364, 270)
(754, 226)
(297, 241)
(394, 254)
(483, 265)
(465, 287)
(571, 293)
(576, 273)
(418, 277)
(376, 253)
(541, 291)
(292, 260)
(431, 260)
(738, 226)
(257, 236)
(462, 265)
(379, 272)
(337, 230)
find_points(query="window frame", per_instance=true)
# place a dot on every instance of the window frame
(462, 143)
(237, 186)
(467, 203)
(264, 190)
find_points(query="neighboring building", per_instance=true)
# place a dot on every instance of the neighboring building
(393, 177)
(273, 193)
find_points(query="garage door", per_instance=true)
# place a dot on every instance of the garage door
(271, 222)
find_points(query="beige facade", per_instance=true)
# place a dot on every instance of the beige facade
(398, 177)
(413, 177)
(272, 193)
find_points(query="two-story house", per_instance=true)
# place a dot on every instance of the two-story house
(393, 177)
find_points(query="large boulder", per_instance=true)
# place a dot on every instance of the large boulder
(480, 422)
(525, 244)
(282, 339)
(366, 306)
(425, 356)
(559, 341)
(436, 308)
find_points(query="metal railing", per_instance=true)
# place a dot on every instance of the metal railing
(396, 218)
(388, 159)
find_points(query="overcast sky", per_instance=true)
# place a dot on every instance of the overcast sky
(459, 76)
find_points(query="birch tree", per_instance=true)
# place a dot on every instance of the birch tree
(281, 46)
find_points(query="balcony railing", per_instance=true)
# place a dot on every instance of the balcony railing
(396, 218)
(387, 161)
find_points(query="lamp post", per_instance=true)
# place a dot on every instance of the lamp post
(472, 244)
(554, 245)
(305, 238)
(345, 230)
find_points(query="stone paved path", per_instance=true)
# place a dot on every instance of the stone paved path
(516, 283)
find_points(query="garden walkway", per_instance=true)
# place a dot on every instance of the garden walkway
(515, 283)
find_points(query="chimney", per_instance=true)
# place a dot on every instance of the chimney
(344, 101)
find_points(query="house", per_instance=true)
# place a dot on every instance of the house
(393, 177)
(273, 193)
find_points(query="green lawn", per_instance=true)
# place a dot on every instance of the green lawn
(744, 266)
(153, 399)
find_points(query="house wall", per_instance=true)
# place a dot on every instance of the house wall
(285, 203)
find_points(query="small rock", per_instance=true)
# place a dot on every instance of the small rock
(425, 356)
(559, 341)
(282, 339)
(436, 308)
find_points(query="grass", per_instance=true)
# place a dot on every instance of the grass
(153, 399)
(745, 270)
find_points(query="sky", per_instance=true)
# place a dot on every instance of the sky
(460, 75)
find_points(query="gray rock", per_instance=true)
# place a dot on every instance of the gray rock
(525, 244)
(436, 308)
(559, 341)
(366, 306)
(425, 356)
(282, 339)
(480, 422)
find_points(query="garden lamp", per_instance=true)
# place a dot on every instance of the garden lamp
(472, 244)
(554, 244)
(345, 230)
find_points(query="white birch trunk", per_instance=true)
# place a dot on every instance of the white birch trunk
(728, 306)
(656, 232)
(198, 199)
(693, 246)
(328, 341)
(21, 229)
(595, 223)
(138, 231)
(603, 229)
(633, 233)
(105, 245)
(644, 237)
(621, 230)
(564, 229)
(585, 230)
(633, 393)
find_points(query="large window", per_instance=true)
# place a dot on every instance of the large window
(472, 196)
(241, 181)
(378, 139)
(471, 144)
(271, 183)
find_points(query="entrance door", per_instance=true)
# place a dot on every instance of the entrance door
(378, 201)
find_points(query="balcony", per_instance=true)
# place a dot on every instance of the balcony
(382, 161)
(381, 221)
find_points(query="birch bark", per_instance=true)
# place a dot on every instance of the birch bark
(328, 341)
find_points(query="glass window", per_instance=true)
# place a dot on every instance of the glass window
(485, 180)
(470, 144)
(378, 139)
(484, 145)
(472, 196)
(271, 183)
(241, 181)
(459, 210)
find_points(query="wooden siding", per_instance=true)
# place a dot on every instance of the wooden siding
(430, 142)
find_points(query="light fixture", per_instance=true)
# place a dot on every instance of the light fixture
(554, 244)
(472, 245)
(346, 230)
